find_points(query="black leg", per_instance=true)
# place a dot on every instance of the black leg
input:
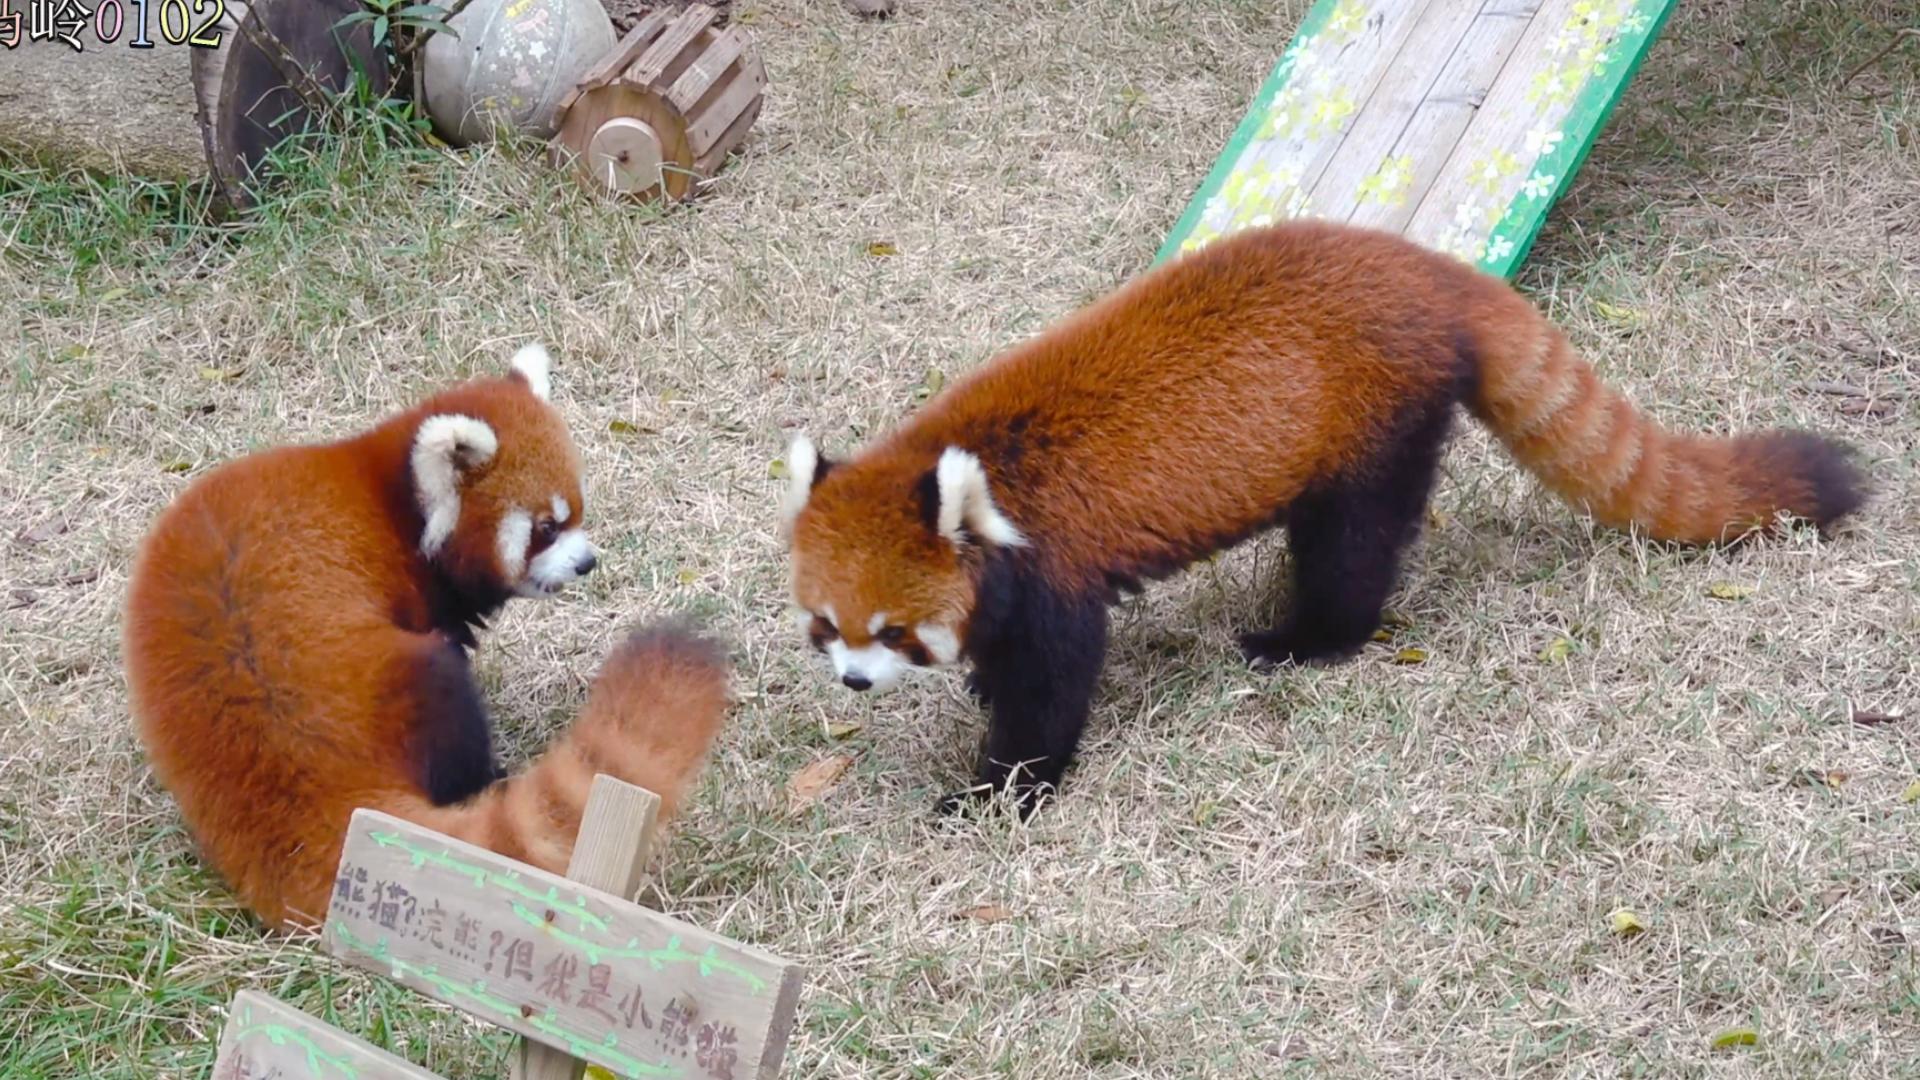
(451, 741)
(1037, 668)
(1346, 542)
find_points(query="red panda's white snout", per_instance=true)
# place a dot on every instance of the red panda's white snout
(541, 553)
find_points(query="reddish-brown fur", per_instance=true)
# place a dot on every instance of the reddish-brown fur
(292, 656)
(1146, 430)
(1302, 373)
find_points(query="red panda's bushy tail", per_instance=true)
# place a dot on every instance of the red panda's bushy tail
(650, 719)
(1589, 443)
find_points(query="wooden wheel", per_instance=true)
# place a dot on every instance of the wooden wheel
(664, 109)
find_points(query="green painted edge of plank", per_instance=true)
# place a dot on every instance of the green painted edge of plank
(1589, 115)
(1223, 166)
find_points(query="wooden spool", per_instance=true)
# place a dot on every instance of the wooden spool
(661, 112)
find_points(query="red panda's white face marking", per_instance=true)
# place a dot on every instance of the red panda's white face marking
(886, 555)
(567, 554)
(516, 533)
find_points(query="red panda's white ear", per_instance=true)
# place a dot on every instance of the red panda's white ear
(445, 449)
(533, 364)
(803, 471)
(966, 506)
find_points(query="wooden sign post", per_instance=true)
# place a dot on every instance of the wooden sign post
(616, 833)
(585, 976)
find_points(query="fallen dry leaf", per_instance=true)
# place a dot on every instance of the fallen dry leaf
(43, 532)
(840, 729)
(777, 469)
(1557, 650)
(812, 781)
(1867, 718)
(1727, 590)
(986, 913)
(1732, 1037)
(1294, 1049)
(1616, 313)
(1879, 408)
(1912, 794)
(1626, 923)
(1410, 656)
(881, 249)
(931, 385)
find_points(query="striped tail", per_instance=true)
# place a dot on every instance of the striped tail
(1589, 444)
(650, 719)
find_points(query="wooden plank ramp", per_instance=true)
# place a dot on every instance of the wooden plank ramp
(1456, 123)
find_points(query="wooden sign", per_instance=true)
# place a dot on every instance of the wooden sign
(267, 1039)
(600, 978)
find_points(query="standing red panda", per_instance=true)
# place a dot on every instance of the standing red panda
(1303, 374)
(296, 636)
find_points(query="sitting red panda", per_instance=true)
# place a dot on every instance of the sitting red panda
(296, 634)
(1303, 374)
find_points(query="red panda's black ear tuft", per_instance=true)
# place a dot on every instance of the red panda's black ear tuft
(447, 449)
(963, 507)
(532, 365)
(805, 469)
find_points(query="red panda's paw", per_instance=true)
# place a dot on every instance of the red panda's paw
(1270, 648)
(977, 688)
(982, 799)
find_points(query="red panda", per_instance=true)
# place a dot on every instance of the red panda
(1304, 374)
(296, 637)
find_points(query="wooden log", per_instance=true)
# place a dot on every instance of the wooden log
(268, 1038)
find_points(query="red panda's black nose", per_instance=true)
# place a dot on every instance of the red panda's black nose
(586, 564)
(858, 682)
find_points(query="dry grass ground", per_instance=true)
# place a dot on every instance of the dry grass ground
(1375, 869)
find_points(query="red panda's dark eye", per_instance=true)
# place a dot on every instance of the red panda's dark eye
(546, 529)
(822, 631)
(893, 635)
